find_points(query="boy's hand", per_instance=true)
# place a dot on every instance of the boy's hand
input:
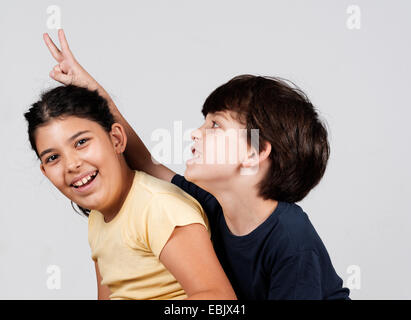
(68, 70)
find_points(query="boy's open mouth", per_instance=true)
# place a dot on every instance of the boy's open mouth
(85, 180)
(195, 153)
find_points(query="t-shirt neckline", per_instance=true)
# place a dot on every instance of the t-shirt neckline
(245, 239)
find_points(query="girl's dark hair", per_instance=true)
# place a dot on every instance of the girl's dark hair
(287, 120)
(68, 101)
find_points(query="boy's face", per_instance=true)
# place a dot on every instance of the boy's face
(219, 150)
(80, 159)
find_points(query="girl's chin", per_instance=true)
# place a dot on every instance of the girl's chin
(88, 206)
(91, 204)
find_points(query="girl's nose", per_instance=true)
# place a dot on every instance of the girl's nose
(73, 163)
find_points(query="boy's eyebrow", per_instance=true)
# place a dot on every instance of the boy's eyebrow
(68, 140)
(221, 114)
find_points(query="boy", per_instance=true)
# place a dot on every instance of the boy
(264, 241)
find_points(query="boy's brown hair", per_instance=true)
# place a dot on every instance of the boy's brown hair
(288, 121)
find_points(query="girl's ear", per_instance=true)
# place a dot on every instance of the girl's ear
(118, 137)
(42, 168)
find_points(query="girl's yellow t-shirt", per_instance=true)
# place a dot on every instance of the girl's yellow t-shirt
(127, 248)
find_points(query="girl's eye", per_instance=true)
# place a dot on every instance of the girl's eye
(82, 141)
(51, 158)
(215, 125)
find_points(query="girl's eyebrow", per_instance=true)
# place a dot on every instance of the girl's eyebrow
(45, 152)
(76, 135)
(68, 140)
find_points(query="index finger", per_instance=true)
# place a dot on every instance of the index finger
(55, 52)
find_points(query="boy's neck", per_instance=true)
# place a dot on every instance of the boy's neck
(244, 210)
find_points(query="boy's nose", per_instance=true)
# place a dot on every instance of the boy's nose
(196, 134)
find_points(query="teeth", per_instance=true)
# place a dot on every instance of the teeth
(84, 180)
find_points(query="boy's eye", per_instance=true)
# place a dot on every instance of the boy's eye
(51, 158)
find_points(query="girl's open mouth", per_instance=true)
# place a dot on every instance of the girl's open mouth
(86, 183)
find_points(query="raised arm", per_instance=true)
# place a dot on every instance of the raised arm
(69, 71)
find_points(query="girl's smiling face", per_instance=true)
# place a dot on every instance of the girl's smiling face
(82, 160)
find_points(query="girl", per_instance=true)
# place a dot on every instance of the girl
(148, 239)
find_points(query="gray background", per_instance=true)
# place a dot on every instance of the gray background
(160, 60)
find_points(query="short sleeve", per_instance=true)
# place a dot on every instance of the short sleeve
(297, 277)
(163, 214)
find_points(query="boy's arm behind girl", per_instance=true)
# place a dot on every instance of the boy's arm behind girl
(212, 285)
(69, 71)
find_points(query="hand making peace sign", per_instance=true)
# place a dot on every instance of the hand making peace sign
(68, 70)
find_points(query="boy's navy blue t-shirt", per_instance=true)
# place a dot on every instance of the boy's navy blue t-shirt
(283, 258)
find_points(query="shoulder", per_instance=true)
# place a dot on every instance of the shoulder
(162, 189)
(295, 248)
(165, 198)
(294, 232)
(168, 207)
(295, 221)
(177, 208)
(148, 191)
(156, 208)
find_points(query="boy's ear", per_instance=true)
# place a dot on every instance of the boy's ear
(118, 137)
(254, 158)
(265, 153)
